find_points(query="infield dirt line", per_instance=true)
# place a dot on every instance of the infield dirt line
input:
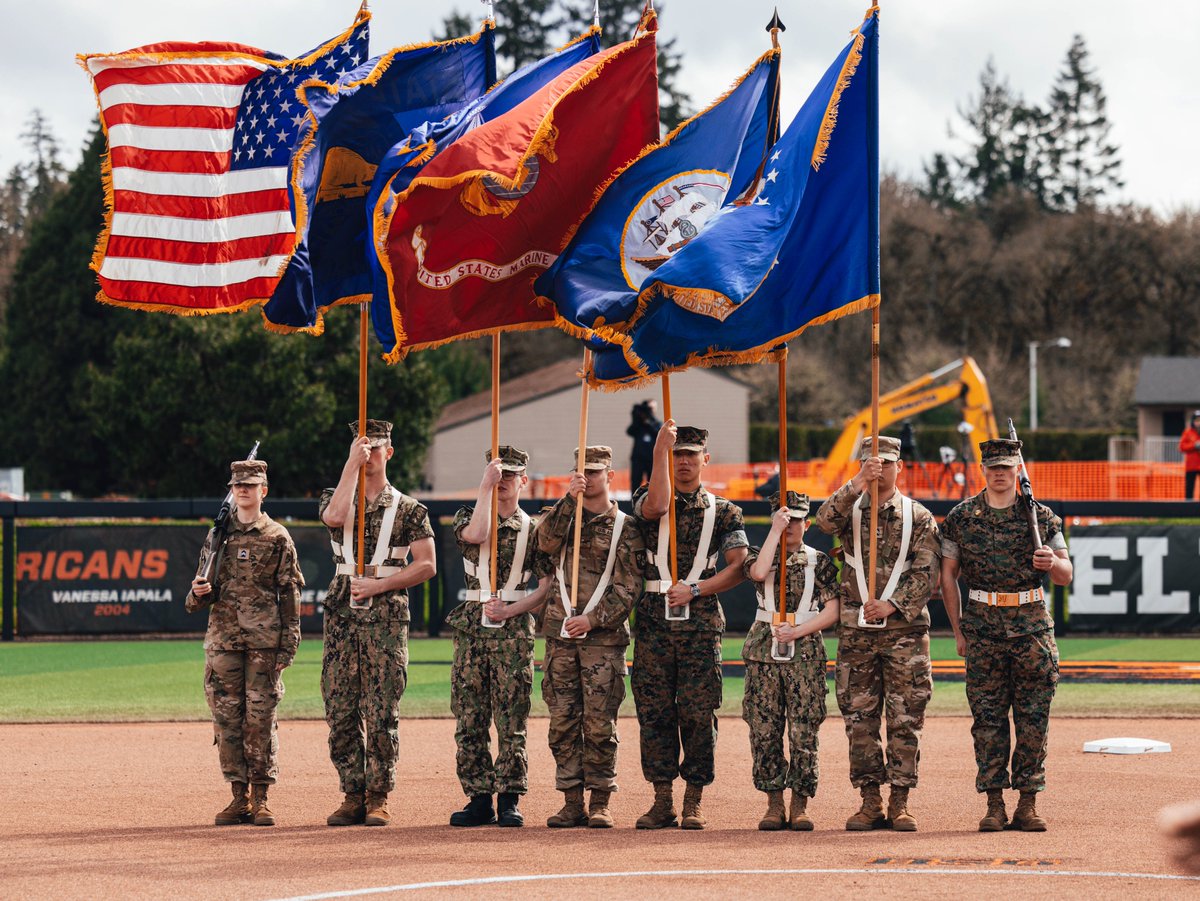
(810, 871)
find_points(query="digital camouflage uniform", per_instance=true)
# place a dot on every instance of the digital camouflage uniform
(789, 694)
(253, 626)
(884, 672)
(1012, 659)
(677, 663)
(365, 666)
(491, 678)
(583, 679)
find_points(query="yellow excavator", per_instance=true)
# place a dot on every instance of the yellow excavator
(930, 390)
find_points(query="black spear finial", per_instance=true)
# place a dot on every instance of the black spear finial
(776, 23)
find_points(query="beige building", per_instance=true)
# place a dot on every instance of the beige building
(1167, 394)
(540, 414)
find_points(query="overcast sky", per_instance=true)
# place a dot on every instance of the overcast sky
(931, 51)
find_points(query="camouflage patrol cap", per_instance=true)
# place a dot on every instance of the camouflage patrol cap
(798, 504)
(512, 459)
(378, 430)
(1000, 452)
(248, 472)
(889, 449)
(598, 456)
(690, 438)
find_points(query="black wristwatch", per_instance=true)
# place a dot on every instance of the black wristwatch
(695, 590)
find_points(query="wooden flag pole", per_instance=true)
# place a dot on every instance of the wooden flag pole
(363, 314)
(493, 532)
(781, 603)
(872, 549)
(581, 466)
(672, 553)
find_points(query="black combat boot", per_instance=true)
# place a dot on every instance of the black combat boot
(478, 812)
(507, 812)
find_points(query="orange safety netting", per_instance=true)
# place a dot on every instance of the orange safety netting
(1089, 480)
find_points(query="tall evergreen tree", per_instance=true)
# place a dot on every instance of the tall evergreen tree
(1084, 165)
(618, 18)
(100, 399)
(525, 31)
(45, 171)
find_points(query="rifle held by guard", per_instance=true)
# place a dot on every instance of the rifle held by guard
(1026, 492)
(215, 544)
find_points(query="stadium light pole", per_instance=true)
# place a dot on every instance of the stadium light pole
(1033, 375)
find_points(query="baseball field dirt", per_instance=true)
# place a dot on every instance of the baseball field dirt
(125, 811)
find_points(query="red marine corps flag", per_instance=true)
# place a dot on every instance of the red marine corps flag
(463, 242)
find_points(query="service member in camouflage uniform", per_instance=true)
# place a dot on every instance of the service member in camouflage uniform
(1005, 630)
(583, 673)
(365, 666)
(677, 660)
(788, 693)
(884, 671)
(253, 633)
(491, 678)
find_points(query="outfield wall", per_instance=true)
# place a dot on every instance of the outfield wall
(66, 577)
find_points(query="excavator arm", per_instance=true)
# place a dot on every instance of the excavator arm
(925, 393)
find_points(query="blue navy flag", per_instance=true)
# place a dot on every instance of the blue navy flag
(659, 203)
(804, 250)
(405, 160)
(352, 122)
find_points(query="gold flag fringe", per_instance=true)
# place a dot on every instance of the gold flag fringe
(849, 67)
(542, 143)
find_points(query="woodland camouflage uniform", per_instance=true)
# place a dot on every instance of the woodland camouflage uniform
(1012, 659)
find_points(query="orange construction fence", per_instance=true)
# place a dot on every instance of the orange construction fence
(1086, 480)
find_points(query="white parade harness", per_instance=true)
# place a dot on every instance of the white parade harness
(702, 561)
(382, 550)
(766, 594)
(605, 578)
(903, 564)
(518, 576)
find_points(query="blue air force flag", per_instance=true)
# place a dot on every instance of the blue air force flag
(804, 250)
(352, 122)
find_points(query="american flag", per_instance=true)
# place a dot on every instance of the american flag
(200, 142)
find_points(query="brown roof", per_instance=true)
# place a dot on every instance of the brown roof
(560, 376)
(550, 379)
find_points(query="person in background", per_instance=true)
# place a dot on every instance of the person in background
(1189, 444)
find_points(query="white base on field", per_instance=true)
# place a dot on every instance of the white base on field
(1126, 746)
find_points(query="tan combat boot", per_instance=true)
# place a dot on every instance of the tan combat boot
(258, 806)
(352, 812)
(870, 815)
(572, 813)
(898, 816)
(598, 815)
(775, 818)
(799, 821)
(1025, 817)
(996, 817)
(693, 816)
(662, 814)
(238, 810)
(377, 810)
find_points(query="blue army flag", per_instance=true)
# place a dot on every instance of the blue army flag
(349, 124)
(405, 160)
(803, 251)
(659, 203)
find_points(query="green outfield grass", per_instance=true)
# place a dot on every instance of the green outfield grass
(130, 681)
